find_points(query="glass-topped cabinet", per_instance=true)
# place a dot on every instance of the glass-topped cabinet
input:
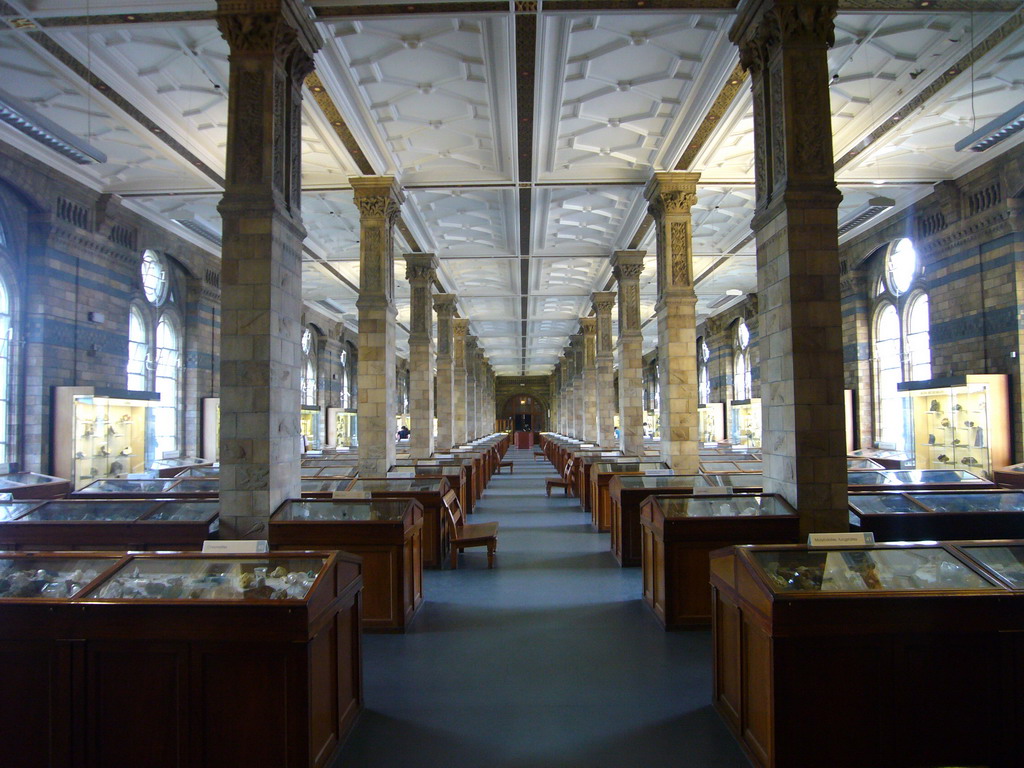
(311, 427)
(49, 576)
(933, 479)
(101, 432)
(32, 485)
(330, 510)
(938, 515)
(960, 422)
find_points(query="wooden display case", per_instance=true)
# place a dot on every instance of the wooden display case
(745, 422)
(801, 634)
(387, 534)
(428, 491)
(230, 675)
(583, 460)
(151, 488)
(939, 515)
(915, 479)
(855, 464)
(959, 422)
(601, 474)
(32, 485)
(133, 524)
(102, 432)
(679, 532)
(458, 473)
(1011, 476)
(175, 467)
(711, 422)
(625, 493)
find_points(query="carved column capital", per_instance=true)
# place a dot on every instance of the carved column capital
(379, 200)
(420, 267)
(627, 266)
(444, 304)
(603, 302)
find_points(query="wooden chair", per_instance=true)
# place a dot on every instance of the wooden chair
(462, 534)
(499, 462)
(565, 481)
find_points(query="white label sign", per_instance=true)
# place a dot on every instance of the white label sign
(402, 475)
(866, 539)
(658, 472)
(705, 490)
(235, 547)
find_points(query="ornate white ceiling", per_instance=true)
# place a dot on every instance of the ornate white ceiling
(433, 100)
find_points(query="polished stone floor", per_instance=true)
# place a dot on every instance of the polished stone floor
(551, 660)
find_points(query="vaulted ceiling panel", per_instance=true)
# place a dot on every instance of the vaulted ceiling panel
(467, 222)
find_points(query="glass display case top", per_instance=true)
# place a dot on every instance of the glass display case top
(1007, 561)
(737, 479)
(89, 511)
(15, 479)
(200, 472)
(197, 485)
(325, 485)
(996, 501)
(184, 511)
(663, 481)
(12, 510)
(184, 461)
(884, 504)
(330, 510)
(49, 577)
(170, 578)
(913, 477)
(147, 486)
(864, 570)
(630, 466)
(862, 464)
(406, 484)
(674, 507)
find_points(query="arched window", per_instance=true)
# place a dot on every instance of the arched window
(167, 382)
(741, 385)
(888, 373)
(901, 344)
(308, 368)
(155, 278)
(345, 390)
(138, 349)
(6, 337)
(703, 380)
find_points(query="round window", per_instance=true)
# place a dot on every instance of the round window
(900, 266)
(154, 278)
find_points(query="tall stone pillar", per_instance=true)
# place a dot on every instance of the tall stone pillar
(444, 408)
(492, 407)
(627, 266)
(670, 197)
(564, 394)
(603, 302)
(471, 388)
(784, 46)
(271, 51)
(378, 199)
(552, 420)
(589, 327)
(420, 271)
(460, 397)
(578, 386)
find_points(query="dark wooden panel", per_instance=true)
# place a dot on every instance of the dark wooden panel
(35, 703)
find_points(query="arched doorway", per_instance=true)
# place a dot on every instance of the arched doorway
(524, 413)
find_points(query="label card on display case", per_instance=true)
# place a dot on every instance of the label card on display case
(402, 475)
(236, 547)
(866, 539)
(712, 490)
(658, 472)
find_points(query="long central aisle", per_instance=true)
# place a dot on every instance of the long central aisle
(549, 660)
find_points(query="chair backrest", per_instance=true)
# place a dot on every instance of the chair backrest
(451, 505)
(567, 472)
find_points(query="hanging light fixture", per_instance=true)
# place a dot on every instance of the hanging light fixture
(990, 134)
(866, 212)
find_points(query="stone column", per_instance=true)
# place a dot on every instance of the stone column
(784, 45)
(460, 399)
(627, 266)
(589, 327)
(603, 302)
(444, 306)
(378, 199)
(420, 271)
(271, 51)
(564, 395)
(670, 197)
(578, 388)
(553, 400)
(489, 414)
(471, 388)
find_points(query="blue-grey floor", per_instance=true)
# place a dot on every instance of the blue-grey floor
(550, 660)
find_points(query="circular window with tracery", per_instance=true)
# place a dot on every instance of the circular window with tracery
(154, 278)
(900, 266)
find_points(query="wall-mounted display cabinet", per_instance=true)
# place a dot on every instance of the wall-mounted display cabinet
(311, 427)
(745, 422)
(100, 432)
(342, 428)
(960, 422)
(711, 422)
(32, 485)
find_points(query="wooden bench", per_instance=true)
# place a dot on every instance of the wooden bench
(462, 534)
(565, 481)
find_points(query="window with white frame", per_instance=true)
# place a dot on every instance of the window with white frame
(741, 383)
(167, 381)
(308, 368)
(138, 349)
(703, 379)
(901, 342)
(155, 278)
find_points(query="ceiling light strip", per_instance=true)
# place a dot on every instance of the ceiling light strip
(1006, 29)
